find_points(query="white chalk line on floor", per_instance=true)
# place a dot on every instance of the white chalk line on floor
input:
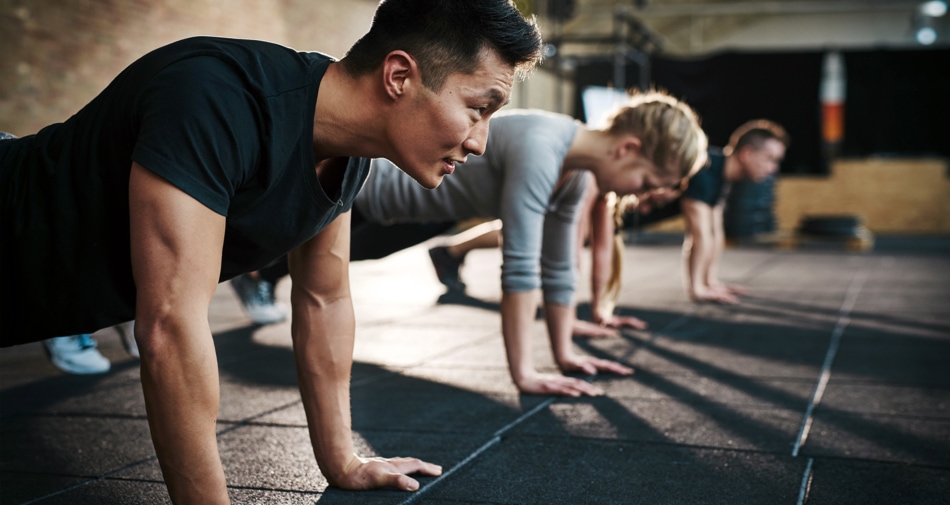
(806, 483)
(843, 320)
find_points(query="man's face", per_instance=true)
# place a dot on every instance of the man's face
(759, 164)
(437, 130)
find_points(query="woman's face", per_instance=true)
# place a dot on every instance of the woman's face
(637, 175)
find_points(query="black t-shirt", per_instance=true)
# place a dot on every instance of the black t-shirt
(709, 184)
(227, 121)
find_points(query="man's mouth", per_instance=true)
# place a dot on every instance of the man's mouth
(448, 165)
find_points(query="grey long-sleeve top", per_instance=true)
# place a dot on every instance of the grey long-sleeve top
(518, 180)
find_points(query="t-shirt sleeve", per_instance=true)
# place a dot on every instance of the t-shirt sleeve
(701, 187)
(558, 259)
(199, 129)
(528, 182)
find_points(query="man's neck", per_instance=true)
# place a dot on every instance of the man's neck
(342, 123)
(732, 169)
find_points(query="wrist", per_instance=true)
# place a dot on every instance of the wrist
(336, 472)
(564, 360)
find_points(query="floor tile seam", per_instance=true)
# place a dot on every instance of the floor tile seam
(631, 442)
(235, 425)
(726, 374)
(915, 386)
(847, 306)
(680, 372)
(876, 461)
(274, 489)
(89, 480)
(230, 486)
(885, 415)
(492, 442)
(756, 406)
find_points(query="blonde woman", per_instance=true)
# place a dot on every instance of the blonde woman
(533, 176)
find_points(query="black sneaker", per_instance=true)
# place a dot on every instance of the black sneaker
(447, 268)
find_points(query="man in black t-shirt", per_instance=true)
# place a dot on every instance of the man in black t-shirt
(211, 157)
(754, 152)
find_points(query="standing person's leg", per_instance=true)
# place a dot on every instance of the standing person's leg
(76, 354)
(447, 260)
(256, 292)
(370, 241)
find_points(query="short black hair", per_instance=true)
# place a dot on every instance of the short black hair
(447, 36)
(754, 133)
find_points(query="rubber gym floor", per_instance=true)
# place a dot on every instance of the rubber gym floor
(830, 384)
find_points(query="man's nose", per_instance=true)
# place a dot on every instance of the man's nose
(477, 139)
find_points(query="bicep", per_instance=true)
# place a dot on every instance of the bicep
(698, 216)
(320, 266)
(176, 244)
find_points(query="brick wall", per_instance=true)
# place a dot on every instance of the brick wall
(891, 195)
(55, 55)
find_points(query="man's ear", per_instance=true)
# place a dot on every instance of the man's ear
(398, 67)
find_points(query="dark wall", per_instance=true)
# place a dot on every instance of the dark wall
(897, 101)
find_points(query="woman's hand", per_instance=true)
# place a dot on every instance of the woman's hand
(556, 384)
(590, 365)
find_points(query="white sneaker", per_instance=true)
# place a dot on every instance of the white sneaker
(257, 299)
(76, 354)
(127, 336)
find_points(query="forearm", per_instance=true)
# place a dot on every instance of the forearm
(602, 253)
(560, 323)
(180, 383)
(518, 311)
(323, 348)
(717, 245)
(697, 252)
(175, 252)
(602, 265)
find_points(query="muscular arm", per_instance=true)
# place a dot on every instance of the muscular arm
(323, 331)
(718, 244)
(176, 260)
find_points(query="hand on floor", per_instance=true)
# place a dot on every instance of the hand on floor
(372, 473)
